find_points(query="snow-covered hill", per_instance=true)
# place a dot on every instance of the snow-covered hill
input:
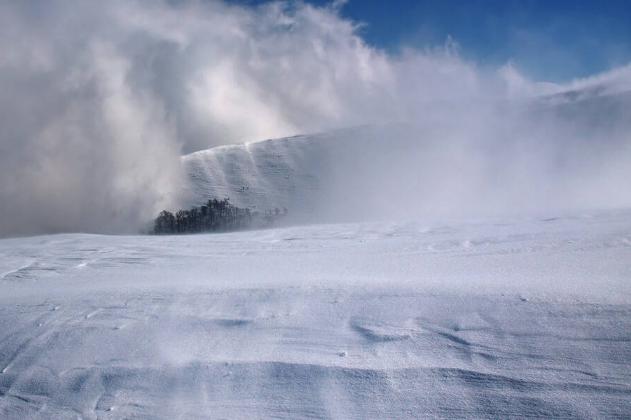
(262, 175)
(496, 319)
(337, 175)
(567, 151)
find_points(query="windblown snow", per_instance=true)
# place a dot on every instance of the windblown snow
(439, 317)
(521, 317)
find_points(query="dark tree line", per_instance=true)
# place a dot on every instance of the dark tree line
(214, 216)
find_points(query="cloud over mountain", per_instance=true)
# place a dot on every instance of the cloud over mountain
(100, 99)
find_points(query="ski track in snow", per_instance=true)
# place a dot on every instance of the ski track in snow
(510, 319)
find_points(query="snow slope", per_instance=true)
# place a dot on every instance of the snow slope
(313, 176)
(560, 152)
(506, 318)
(262, 175)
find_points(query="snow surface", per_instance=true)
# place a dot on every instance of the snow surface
(494, 318)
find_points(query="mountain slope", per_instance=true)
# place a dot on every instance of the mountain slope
(557, 153)
(263, 175)
(314, 176)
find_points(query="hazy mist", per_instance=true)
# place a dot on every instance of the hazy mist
(101, 98)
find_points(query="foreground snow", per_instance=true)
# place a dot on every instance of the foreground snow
(490, 319)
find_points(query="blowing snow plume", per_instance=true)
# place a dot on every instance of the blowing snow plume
(100, 99)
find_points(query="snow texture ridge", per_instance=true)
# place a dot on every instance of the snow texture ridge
(492, 319)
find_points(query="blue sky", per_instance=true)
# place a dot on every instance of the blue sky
(554, 40)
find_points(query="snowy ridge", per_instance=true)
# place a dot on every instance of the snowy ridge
(566, 150)
(295, 172)
(262, 175)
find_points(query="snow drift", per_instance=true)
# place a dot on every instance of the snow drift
(501, 318)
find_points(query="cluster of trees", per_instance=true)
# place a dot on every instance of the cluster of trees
(214, 216)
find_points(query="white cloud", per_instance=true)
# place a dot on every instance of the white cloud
(99, 98)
